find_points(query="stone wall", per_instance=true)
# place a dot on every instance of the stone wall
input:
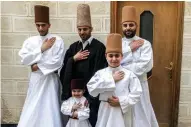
(17, 24)
(185, 90)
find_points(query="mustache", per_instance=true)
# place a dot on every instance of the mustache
(128, 30)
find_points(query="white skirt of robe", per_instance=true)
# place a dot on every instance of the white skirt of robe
(144, 115)
(109, 116)
(78, 123)
(42, 107)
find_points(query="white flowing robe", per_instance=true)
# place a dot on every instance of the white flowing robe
(140, 62)
(83, 112)
(42, 106)
(128, 90)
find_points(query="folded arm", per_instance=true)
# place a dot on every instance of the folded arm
(100, 83)
(135, 91)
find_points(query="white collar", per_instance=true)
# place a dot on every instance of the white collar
(44, 37)
(87, 41)
(130, 39)
(77, 100)
(115, 69)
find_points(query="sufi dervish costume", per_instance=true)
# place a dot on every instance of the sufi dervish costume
(42, 107)
(128, 90)
(140, 62)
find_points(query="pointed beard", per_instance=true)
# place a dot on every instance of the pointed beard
(129, 33)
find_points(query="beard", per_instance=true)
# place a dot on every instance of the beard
(43, 33)
(129, 33)
(85, 37)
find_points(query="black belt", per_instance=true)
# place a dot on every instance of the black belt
(103, 100)
(73, 118)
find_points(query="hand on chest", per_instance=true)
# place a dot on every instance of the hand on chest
(85, 54)
(78, 104)
(132, 56)
(122, 85)
(48, 52)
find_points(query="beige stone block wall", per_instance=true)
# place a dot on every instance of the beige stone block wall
(185, 90)
(17, 24)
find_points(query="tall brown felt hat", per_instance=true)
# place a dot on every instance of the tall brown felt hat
(114, 43)
(83, 15)
(41, 13)
(129, 14)
(77, 84)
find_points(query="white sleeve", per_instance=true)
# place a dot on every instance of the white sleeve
(28, 55)
(135, 91)
(100, 83)
(145, 63)
(66, 108)
(55, 59)
(84, 114)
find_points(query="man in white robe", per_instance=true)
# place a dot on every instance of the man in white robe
(118, 83)
(44, 54)
(138, 57)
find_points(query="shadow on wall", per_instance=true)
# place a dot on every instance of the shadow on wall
(8, 125)
(8, 114)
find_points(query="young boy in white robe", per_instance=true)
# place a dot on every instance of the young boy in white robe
(115, 82)
(76, 107)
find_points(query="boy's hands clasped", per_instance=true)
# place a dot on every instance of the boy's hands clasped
(76, 106)
(74, 110)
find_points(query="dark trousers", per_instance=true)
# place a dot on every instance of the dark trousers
(94, 106)
(93, 117)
